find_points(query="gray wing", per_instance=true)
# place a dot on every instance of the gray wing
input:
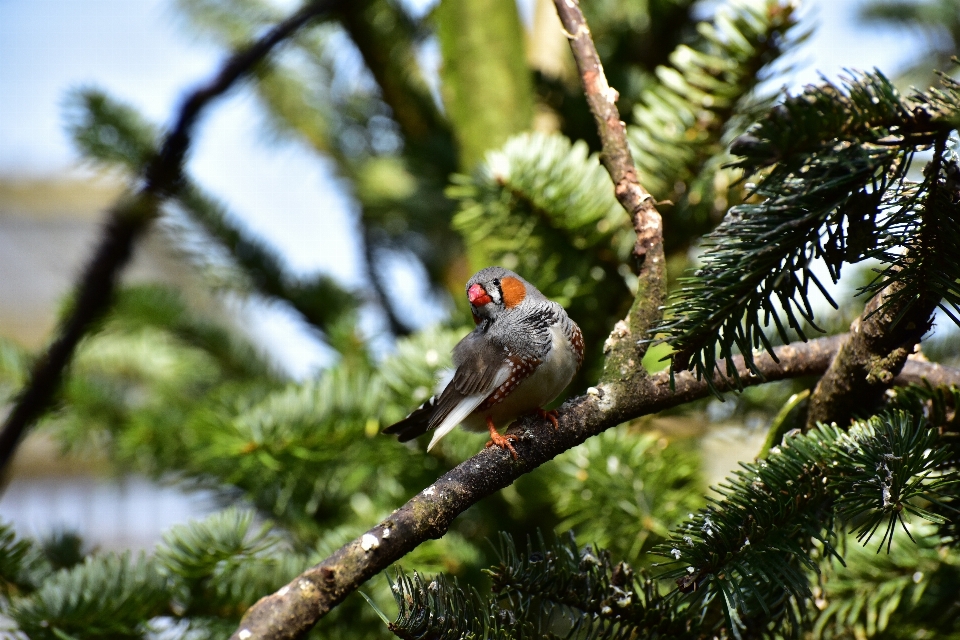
(480, 362)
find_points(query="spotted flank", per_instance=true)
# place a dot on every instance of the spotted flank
(520, 370)
(575, 336)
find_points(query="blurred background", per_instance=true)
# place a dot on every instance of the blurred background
(310, 197)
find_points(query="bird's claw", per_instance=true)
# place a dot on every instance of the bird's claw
(551, 416)
(504, 442)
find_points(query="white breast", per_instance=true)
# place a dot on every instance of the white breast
(554, 374)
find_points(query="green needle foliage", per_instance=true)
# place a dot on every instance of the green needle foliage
(105, 597)
(550, 196)
(704, 98)
(554, 590)
(752, 550)
(22, 565)
(744, 566)
(909, 592)
(833, 188)
(625, 491)
(214, 568)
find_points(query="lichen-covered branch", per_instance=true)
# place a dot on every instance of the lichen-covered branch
(126, 223)
(627, 344)
(867, 363)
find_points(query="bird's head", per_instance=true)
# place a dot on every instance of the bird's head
(494, 290)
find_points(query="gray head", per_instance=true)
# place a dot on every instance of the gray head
(495, 289)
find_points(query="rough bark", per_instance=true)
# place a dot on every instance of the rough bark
(895, 319)
(868, 362)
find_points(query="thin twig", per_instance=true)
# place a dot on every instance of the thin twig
(127, 222)
(295, 608)
(616, 157)
(627, 344)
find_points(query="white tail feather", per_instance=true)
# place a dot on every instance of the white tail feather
(466, 407)
(461, 411)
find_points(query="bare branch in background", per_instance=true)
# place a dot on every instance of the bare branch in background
(126, 223)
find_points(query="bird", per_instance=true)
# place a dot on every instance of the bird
(522, 353)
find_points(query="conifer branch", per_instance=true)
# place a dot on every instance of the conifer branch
(625, 347)
(551, 588)
(896, 318)
(128, 220)
(868, 362)
(294, 609)
(319, 300)
(837, 191)
(750, 550)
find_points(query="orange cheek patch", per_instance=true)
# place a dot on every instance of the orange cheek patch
(513, 292)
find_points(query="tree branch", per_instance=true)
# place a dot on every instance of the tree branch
(868, 362)
(918, 372)
(127, 222)
(626, 345)
(887, 331)
(386, 38)
(294, 609)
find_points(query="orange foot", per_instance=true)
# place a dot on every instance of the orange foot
(504, 442)
(551, 416)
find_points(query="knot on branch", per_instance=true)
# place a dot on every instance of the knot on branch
(881, 370)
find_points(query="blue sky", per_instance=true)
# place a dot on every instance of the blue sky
(138, 52)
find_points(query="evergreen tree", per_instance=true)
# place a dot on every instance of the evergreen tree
(844, 526)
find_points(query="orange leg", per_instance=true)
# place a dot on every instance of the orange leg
(551, 416)
(504, 442)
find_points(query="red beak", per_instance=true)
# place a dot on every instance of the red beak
(477, 295)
